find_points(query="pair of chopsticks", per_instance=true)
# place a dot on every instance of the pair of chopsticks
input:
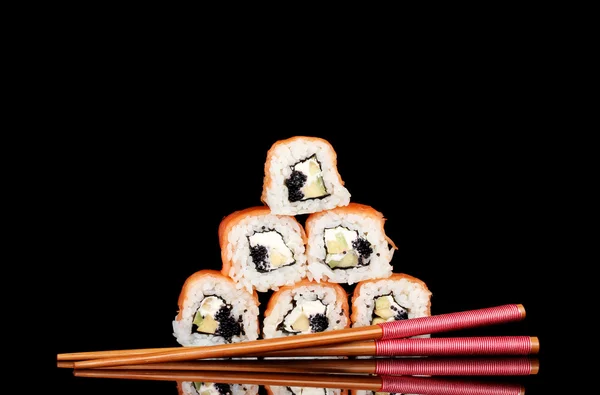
(376, 383)
(385, 339)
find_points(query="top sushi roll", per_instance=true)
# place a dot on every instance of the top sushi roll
(301, 177)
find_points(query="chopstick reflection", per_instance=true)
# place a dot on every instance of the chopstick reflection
(498, 366)
(375, 383)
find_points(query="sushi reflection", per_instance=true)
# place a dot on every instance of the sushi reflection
(286, 390)
(207, 388)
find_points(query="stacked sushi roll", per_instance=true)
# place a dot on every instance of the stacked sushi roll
(348, 244)
(262, 251)
(306, 307)
(331, 271)
(212, 310)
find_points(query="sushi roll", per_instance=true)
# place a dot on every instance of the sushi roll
(262, 251)
(212, 310)
(286, 390)
(301, 177)
(306, 307)
(398, 297)
(201, 388)
(348, 244)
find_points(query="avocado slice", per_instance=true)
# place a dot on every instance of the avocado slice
(301, 324)
(198, 385)
(383, 307)
(377, 320)
(349, 260)
(338, 245)
(205, 324)
(313, 167)
(315, 189)
(382, 302)
(277, 259)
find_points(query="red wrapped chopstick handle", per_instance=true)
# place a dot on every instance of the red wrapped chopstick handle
(435, 386)
(517, 366)
(455, 346)
(452, 321)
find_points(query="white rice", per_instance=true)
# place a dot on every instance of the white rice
(409, 294)
(242, 304)
(280, 169)
(243, 270)
(368, 228)
(187, 388)
(310, 292)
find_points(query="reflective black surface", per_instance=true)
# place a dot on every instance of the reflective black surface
(469, 216)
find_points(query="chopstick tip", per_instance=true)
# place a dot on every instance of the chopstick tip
(522, 310)
(535, 366)
(535, 345)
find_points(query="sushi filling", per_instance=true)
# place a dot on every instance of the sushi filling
(269, 252)
(214, 317)
(212, 388)
(386, 310)
(306, 181)
(345, 249)
(306, 390)
(306, 316)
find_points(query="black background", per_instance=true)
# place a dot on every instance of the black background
(468, 212)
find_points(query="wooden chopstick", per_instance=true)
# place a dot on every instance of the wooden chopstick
(486, 345)
(388, 330)
(499, 366)
(377, 383)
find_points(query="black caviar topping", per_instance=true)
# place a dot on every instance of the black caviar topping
(294, 184)
(363, 247)
(259, 254)
(228, 326)
(401, 314)
(318, 322)
(224, 389)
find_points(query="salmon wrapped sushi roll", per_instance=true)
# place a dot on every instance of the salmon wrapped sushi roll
(262, 251)
(306, 307)
(398, 297)
(212, 310)
(301, 177)
(348, 244)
